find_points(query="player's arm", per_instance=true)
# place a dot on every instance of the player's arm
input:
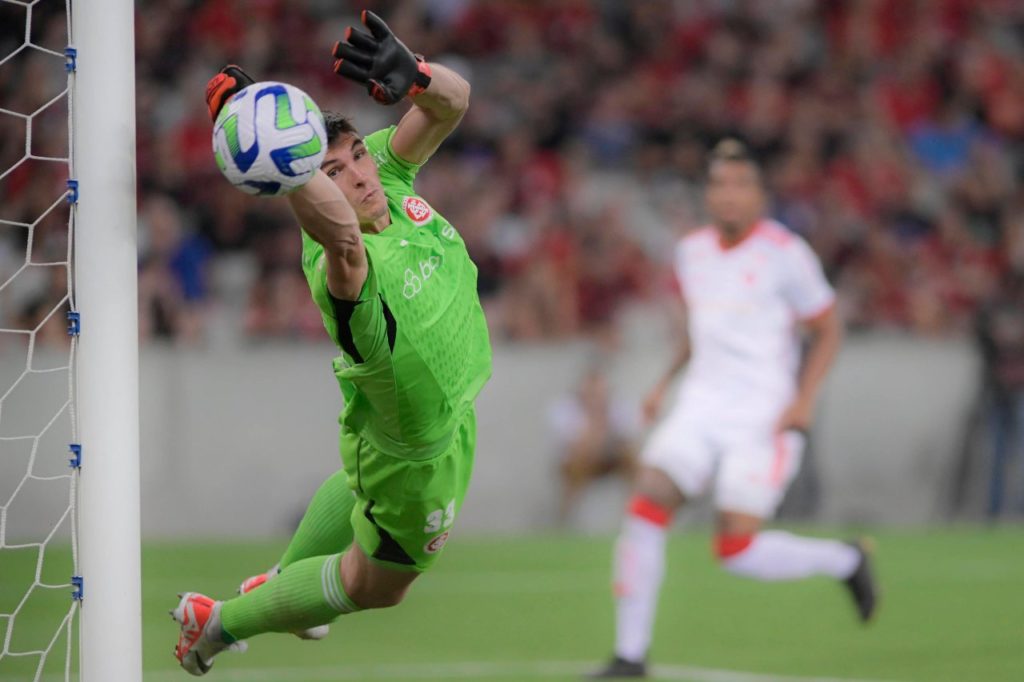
(825, 335)
(435, 113)
(656, 397)
(812, 301)
(319, 205)
(392, 72)
(325, 214)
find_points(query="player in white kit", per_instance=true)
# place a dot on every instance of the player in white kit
(737, 427)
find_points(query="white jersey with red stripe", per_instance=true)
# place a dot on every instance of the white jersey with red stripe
(744, 302)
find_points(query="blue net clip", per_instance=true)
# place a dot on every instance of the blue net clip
(72, 191)
(70, 59)
(76, 456)
(79, 584)
(74, 323)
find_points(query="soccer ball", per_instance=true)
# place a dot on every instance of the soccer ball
(269, 139)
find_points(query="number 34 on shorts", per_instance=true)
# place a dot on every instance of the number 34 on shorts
(437, 520)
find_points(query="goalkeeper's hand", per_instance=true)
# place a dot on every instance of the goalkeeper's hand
(221, 87)
(380, 61)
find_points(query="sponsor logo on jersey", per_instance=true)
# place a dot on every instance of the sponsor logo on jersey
(435, 545)
(418, 210)
(414, 282)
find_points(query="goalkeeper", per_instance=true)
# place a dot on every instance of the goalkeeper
(397, 291)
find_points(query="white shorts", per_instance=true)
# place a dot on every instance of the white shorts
(752, 464)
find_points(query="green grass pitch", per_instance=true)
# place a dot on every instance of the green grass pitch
(539, 608)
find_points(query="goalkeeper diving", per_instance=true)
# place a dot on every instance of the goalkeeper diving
(397, 292)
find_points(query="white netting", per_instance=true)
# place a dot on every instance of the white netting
(38, 552)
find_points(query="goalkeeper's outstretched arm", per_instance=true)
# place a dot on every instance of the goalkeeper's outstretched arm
(435, 113)
(320, 206)
(325, 214)
(391, 72)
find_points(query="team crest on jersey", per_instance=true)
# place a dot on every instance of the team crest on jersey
(435, 545)
(418, 210)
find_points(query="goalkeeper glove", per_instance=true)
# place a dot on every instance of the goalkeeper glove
(221, 87)
(381, 61)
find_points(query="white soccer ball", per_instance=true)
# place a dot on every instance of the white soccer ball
(269, 139)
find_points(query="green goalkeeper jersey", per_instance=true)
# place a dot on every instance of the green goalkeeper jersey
(415, 348)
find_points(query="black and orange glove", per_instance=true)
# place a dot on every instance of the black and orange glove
(221, 87)
(380, 61)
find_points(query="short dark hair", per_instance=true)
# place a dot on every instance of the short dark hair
(731, 149)
(337, 125)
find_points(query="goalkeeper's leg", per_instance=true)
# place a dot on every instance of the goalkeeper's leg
(312, 592)
(403, 524)
(325, 529)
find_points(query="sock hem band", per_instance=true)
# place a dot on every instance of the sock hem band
(649, 510)
(728, 546)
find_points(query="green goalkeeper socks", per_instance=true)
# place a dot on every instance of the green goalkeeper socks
(306, 594)
(326, 527)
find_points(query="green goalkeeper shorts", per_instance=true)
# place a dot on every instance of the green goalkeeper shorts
(406, 508)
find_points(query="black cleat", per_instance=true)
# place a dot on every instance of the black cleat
(619, 668)
(862, 583)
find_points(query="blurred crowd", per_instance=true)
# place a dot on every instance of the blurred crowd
(891, 133)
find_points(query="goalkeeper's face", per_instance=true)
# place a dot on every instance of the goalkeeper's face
(353, 170)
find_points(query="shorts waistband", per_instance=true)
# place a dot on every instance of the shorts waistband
(414, 452)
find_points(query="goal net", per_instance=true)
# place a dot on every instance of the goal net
(44, 578)
(38, 548)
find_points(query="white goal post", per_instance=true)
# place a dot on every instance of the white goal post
(105, 295)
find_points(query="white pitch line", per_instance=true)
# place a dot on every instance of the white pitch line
(486, 670)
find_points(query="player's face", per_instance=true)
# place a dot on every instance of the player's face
(350, 166)
(735, 198)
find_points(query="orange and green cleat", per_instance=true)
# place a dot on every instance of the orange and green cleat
(200, 639)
